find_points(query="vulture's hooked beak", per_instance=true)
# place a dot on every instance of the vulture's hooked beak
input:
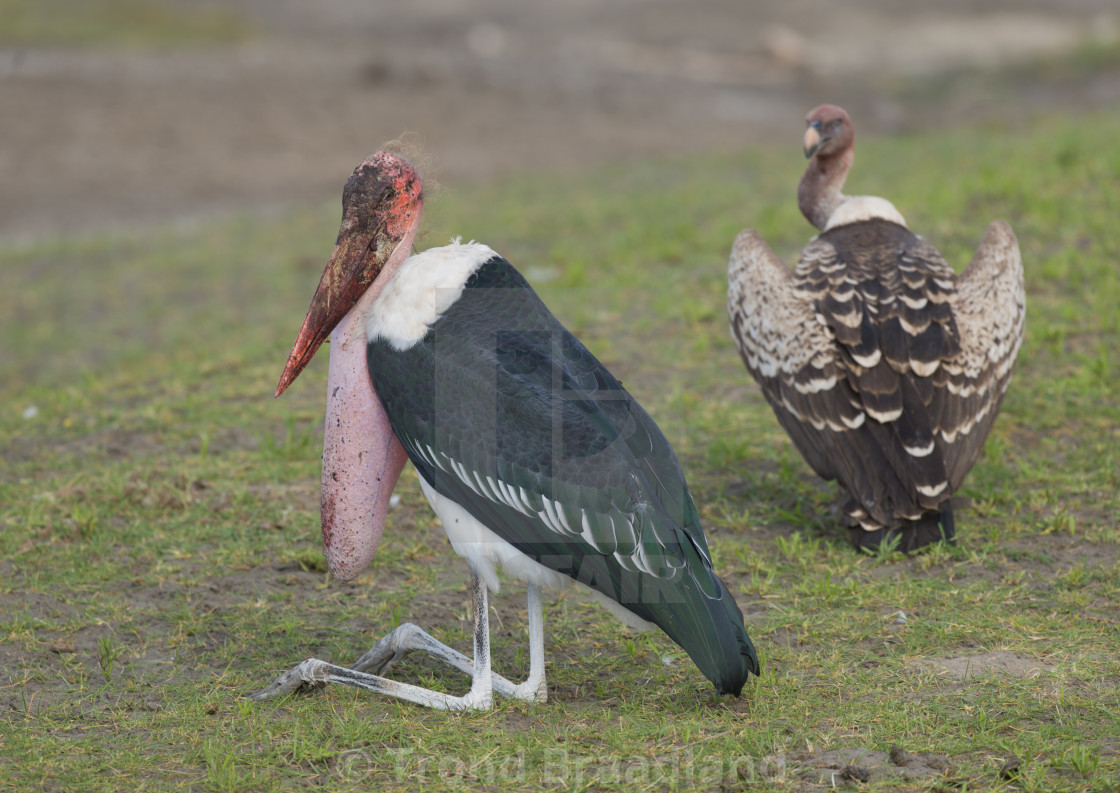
(813, 139)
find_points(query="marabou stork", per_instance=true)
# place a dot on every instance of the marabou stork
(531, 453)
(885, 367)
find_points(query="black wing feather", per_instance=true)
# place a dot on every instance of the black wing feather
(499, 397)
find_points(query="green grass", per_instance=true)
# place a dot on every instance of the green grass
(143, 24)
(159, 556)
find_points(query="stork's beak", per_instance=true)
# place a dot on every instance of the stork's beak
(381, 205)
(812, 140)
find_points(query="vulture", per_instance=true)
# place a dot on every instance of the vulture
(886, 368)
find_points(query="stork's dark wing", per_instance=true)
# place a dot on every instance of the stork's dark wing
(990, 309)
(503, 411)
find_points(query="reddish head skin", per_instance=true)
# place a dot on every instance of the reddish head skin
(381, 203)
(830, 145)
(362, 459)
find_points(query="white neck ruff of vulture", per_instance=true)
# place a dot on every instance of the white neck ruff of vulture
(421, 290)
(858, 209)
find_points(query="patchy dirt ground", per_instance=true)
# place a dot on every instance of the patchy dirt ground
(849, 766)
(103, 139)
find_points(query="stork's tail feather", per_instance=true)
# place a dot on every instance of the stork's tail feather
(710, 629)
(911, 536)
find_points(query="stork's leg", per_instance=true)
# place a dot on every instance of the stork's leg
(408, 637)
(534, 688)
(315, 672)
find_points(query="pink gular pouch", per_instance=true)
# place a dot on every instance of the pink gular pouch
(362, 458)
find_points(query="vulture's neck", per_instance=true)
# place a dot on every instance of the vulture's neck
(818, 194)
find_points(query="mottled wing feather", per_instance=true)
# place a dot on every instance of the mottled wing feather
(921, 359)
(872, 284)
(877, 300)
(990, 309)
(786, 348)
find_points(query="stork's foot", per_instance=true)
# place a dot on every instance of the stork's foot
(393, 646)
(314, 673)
(408, 637)
(311, 673)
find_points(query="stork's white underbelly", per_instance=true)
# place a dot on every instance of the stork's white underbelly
(485, 550)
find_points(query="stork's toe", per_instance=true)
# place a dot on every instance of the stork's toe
(309, 674)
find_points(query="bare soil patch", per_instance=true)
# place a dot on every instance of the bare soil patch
(852, 766)
(970, 667)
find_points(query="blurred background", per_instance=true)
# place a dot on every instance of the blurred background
(123, 113)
